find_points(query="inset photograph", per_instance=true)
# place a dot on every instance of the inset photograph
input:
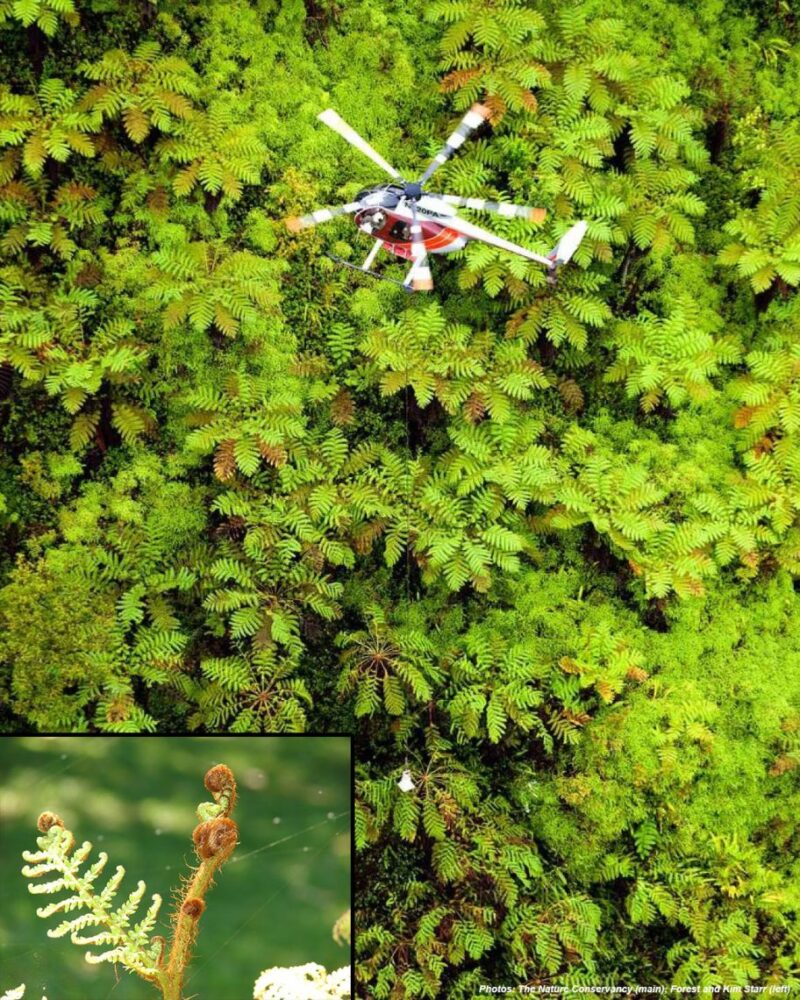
(211, 868)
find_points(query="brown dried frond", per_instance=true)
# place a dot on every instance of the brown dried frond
(571, 395)
(605, 690)
(343, 408)
(88, 276)
(475, 407)
(72, 190)
(274, 454)
(234, 528)
(513, 324)
(225, 460)
(158, 200)
(762, 445)
(17, 191)
(497, 107)
(448, 809)
(365, 536)
(743, 416)
(457, 79)
(119, 710)
(783, 764)
(576, 718)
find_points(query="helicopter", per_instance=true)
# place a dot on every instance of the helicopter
(409, 222)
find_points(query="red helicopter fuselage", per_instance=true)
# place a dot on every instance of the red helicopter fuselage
(394, 230)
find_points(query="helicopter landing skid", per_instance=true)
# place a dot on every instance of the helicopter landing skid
(361, 270)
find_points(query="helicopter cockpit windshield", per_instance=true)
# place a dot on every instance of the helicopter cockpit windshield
(385, 195)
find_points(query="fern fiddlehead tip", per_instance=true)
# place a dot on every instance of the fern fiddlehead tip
(215, 837)
(193, 908)
(219, 777)
(47, 820)
(219, 780)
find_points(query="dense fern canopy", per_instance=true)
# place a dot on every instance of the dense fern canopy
(536, 546)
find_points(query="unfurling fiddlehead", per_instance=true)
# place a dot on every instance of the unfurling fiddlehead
(215, 838)
(130, 946)
(222, 785)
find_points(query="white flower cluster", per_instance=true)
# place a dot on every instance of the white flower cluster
(303, 982)
(16, 994)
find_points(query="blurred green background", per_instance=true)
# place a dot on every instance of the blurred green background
(135, 798)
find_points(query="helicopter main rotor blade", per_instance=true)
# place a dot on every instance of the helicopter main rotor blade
(564, 250)
(298, 222)
(420, 274)
(332, 120)
(498, 207)
(476, 233)
(477, 114)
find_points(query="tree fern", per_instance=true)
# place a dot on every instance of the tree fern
(45, 14)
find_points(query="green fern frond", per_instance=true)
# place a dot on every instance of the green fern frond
(132, 946)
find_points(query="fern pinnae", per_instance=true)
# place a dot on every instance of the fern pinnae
(132, 946)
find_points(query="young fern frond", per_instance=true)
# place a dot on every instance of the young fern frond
(215, 838)
(132, 946)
